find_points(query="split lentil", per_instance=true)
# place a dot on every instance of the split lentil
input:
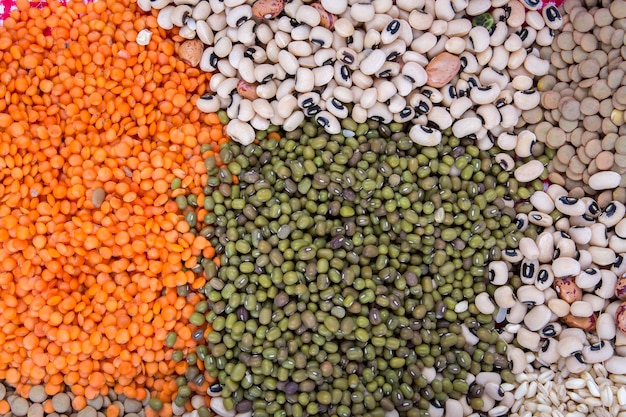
(98, 135)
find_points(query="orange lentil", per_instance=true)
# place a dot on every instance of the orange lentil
(87, 111)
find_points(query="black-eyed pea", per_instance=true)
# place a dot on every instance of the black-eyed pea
(529, 171)
(606, 326)
(368, 98)
(276, 120)
(259, 123)
(530, 295)
(440, 117)
(478, 39)
(549, 353)
(589, 278)
(323, 75)
(263, 108)
(517, 59)
(337, 108)
(308, 15)
(388, 70)
(342, 74)
(237, 16)
(403, 85)
(602, 256)
(529, 248)
(581, 309)
(613, 213)
(286, 106)
(232, 110)
(146, 5)
(484, 57)
(535, 20)
(240, 132)
(569, 345)
(246, 112)
(529, 340)
(459, 27)
(503, 297)
(209, 61)
(559, 307)
(466, 126)
(489, 76)
(227, 87)
(484, 304)
(477, 7)
(380, 113)
(226, 69)
(384, 89)
(545, 244)
(181, 14)
(584, 259)
(404, 115)
(396, 104)
(425, 136)
(288, 62)
(485, 94)
(208, 103)
(509, 116)
(537, 318)
(164, 18)
(267, 90)
(469, 63)
(285, 87)
(292, 122)
(596, 302)
(575, 364)
(461, 105)
(329, 122)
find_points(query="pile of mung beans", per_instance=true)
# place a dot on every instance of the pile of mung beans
(420, 214)
(350, 266)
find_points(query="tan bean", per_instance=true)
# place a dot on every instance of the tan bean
(583, 22)
(604, 160)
